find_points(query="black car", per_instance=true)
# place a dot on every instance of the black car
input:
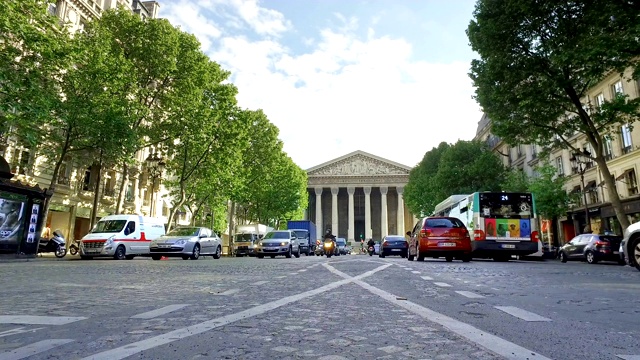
(592, 248)
(394, 245)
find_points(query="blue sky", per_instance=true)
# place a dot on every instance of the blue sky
(386, 77)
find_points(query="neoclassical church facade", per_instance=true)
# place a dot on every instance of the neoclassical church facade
(359, 196)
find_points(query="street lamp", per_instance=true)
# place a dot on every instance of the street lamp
(155, 167)
(580, 161)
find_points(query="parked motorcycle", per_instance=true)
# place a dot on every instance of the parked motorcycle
(371, 250)
(74, 248)
(55, 245)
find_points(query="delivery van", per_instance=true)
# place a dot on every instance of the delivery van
(121, 237)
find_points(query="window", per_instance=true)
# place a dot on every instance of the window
(587, 161)
(20, 160)
(129, 195)
(577, 195)
(608, 149)
(519, 150)
(87, 181)
(599, 100)
(560, 166)
(625, 136)
(592, 192)
(64, 173)
(632, 182)
(617, 88)
(534, 151)
(110, 184)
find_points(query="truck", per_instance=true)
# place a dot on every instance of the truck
(305, 231)
(246, 238)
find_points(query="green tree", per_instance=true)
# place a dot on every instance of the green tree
(552, 200)
(539, 59)
(467, 167)
(516, 181)
(421, 194)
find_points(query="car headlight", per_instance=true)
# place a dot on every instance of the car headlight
(181, 242)
(109, 240)
(283, 244)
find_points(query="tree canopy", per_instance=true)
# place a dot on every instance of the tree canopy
(538, 61)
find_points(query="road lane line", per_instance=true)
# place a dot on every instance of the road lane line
(33, 349)
(259, 283)
(38, 320)
(522, 314)
(416, 272)
(159, 312)
(486, 340)
(19, 330)
(428, 278)
(150, 343)
(441, 284)
(629, 357)
(470, 294)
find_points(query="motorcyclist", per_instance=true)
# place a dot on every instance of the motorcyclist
(329, 235)
(372, 244)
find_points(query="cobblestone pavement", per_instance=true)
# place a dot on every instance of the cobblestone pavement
(348, 307)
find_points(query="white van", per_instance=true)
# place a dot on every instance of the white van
(121, 237)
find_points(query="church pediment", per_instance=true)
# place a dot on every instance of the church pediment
(359, 164)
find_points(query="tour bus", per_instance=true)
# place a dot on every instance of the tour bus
(502, 223)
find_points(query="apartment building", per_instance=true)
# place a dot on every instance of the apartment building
(72, 200)
(584, 178)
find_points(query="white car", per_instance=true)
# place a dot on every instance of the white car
(630, 245)
(278, 242)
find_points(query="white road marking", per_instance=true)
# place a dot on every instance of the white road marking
(17, 331)
(408, 268)
(33, 349)
(470, 294)
(416, 272)
(629, 357)
(302, 270)
(441, 284)
(139, 346)
(38, 320)
(426, 278)
(489, 341)
(522, 314)
(259, 283)
(281, 277)
(225, 293)
(159, 312)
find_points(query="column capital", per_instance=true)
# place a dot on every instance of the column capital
(318, 190)
(335, 190)
(351, 190)
(367, 190)
(399, 189)
(384, 190)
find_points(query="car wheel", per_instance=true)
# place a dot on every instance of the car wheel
(466, 258)
(156, 257)
(591, 257)
(121, 253)
(634, 254)
(260, 256)
(288, 254)
(218, 253)
(297, 254)
(563, 257)
(185, 257)
(448, 258)
(195, 254)
(410, 257)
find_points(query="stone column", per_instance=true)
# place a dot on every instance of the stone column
(367, 213)
(334, 210)
(384, 226)
(400, 219)
(351, 230)
(319, 227)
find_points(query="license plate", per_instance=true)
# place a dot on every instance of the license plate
(92, 251)
(271, 248)
(396, 249)
(616, 252)
(164, 246)
(447, 244)
(508, 246)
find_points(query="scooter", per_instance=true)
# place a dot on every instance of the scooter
(55, 245)
(371, 250)
(74, 248)
(329, 247)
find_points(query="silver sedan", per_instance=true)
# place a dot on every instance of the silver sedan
(188, 243)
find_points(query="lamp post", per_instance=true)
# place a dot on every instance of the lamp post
(155, 167)
(579, 161)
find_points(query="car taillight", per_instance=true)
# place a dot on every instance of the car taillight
(601, 243)
(535, 237)
(424, 233)
(478, 235)
(406, 244)
(385, 243)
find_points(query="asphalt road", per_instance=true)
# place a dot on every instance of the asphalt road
(347, 307)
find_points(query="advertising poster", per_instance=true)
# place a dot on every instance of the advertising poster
(33, 223)
(525, 228)
(502, 226)
(12, 208)
(514, 228)
(490, 227)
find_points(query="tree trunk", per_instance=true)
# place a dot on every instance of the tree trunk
(123, 184)
(613, 193)
(96, 193)
(177, 206)
(54, 179)
(231, 226)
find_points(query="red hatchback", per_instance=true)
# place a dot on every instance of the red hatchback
(440, 237)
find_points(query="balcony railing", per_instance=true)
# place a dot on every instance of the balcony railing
(109, 192)
(63, 180)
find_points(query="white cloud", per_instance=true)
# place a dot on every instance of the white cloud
(263, 21)
(349, 93)
(189, 17)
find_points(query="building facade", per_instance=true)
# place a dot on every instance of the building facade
(76, 185)
(359, 196)
(622, 150)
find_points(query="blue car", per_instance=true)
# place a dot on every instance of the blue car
(393, 245)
